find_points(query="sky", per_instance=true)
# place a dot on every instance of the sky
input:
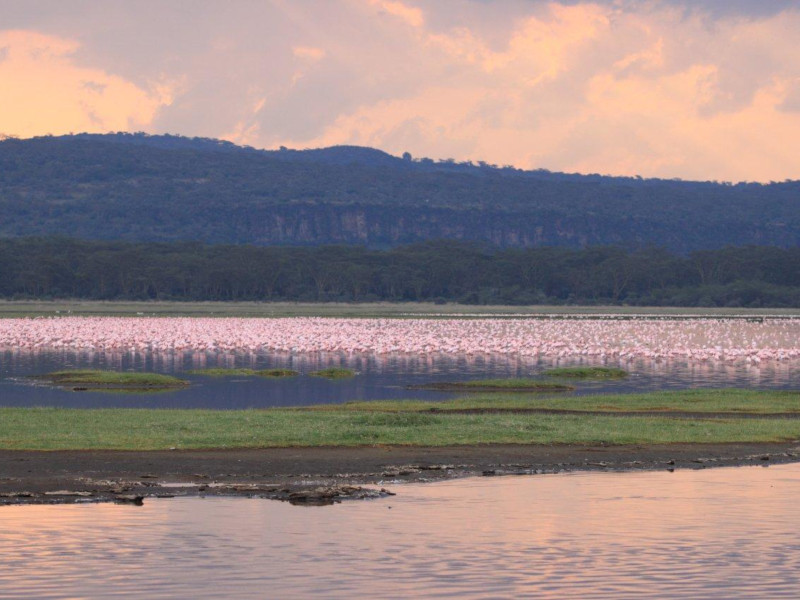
(693, 89)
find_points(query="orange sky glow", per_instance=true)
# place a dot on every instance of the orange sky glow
(657, 88)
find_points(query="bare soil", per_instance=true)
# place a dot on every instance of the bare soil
(330, 474)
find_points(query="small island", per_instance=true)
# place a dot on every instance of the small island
(111, 381)
(333, 373)
(587, 373)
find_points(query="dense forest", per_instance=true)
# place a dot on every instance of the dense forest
(140, 188)
(433, 271)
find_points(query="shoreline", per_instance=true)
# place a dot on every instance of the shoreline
(266, 309)
(325, 475)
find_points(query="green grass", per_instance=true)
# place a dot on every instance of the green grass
(136, 429)
(333, 373)
(277, 373)
(701, 401)
(222, 372)
(488, 385)
(408, 423)
(33, 308)
(587, 373)
(111, 380)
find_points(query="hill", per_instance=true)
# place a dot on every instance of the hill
(169, 188)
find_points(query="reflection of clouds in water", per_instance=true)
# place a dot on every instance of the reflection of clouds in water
(711, 533)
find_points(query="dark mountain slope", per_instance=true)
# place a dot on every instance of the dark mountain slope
(165, 188)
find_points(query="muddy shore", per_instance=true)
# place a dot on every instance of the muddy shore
(327, 475)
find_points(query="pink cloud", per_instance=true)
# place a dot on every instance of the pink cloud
(44, 91)
(410, 15)
(653, 88)
(594, 88)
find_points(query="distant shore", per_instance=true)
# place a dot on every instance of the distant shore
(53, 308)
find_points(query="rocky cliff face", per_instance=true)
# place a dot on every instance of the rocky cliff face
(384, 227)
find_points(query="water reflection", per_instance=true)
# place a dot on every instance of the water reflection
(380, 376)
(728, 533)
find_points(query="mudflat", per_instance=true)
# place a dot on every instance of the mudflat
(322, 475)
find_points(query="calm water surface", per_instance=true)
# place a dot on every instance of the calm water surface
(724, 533)
(379, 378)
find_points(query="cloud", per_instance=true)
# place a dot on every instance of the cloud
(43, 90)
(308, 52)
(594, 88)
(738, 8)
(704, 89)
(409, 14)
(791, 101)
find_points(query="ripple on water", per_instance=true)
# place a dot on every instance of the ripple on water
(710, 533)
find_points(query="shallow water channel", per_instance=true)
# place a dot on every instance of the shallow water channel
(722, 533)
(379, 377)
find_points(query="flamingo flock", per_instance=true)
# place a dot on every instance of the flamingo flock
(732, 340)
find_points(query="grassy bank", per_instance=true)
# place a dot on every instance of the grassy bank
(700, 401)
(372, 424)
(130, 429)
(37, 308)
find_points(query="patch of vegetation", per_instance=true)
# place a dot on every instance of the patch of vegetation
(93, 380)
(333, 373)
(223, 372)
(361, 310)
(489, 385)
(587, 373)
(277, 373)
(753, 402)
(397, 419)
(138, 429)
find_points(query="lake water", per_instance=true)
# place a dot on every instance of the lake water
(721, 533)
(379, 377)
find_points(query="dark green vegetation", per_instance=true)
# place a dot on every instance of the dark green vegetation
(86, 380)
(222, 372)
(499, 385)
(587, 373)
(277, 373)
(390, 423)
(333, 373)
(683, 401)
(165, 188)
(433, 272)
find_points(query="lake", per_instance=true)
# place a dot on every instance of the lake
(380, 377)
(724, 533)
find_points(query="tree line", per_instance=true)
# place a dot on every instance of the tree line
(443, 271)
